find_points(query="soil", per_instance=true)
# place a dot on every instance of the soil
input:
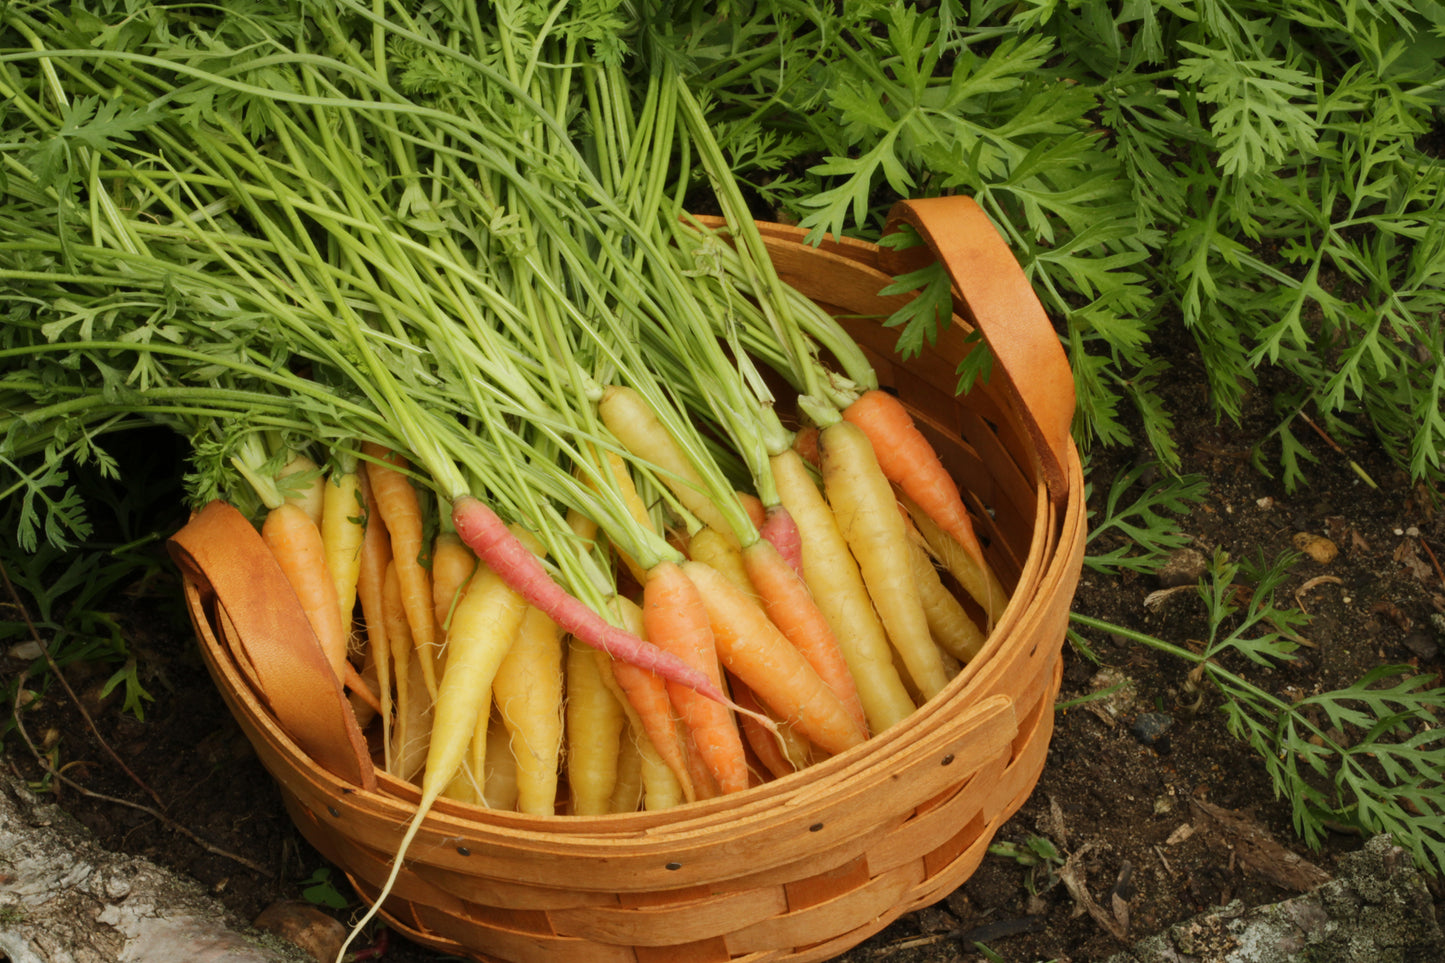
(1129, 810)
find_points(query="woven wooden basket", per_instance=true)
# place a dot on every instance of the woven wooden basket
(801, 868)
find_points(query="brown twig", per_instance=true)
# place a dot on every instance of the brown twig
(165, 820)
(158, 811)
(60, 677)
(1354, 465)
(1433, 560)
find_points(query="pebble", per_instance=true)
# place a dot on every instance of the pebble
(1421, 645)
(1185, 566)
(1152, 729)
(1317, 547)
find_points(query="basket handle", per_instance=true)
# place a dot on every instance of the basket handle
(223, 554)
(992, 293)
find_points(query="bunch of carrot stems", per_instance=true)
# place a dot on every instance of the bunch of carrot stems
(424, 296)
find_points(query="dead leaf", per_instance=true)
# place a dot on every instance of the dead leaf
(1254, 849)
(1407, 555)
(1075, 882)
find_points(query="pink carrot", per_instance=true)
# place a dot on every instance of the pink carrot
(781, 531)
(487, 536)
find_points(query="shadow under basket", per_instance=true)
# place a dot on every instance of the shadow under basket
(809, 865)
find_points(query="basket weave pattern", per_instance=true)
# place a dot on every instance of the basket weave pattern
(806, 866)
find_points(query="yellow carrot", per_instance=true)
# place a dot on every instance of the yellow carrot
(527, 693)
(343, 532)
(863, 502)
(595, 720)
(837, 587)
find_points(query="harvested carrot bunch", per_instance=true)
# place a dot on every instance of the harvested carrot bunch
(424, 296)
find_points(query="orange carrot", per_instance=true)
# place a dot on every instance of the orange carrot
(790, 606)
(757, 511)
(677, 621)
(296, 542)
(754, 650)
(645, 694)
(764, 744)
(911, 463)
(400, 509)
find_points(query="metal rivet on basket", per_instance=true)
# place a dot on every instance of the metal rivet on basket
(462, 850)
(335, 813)
(815, 827)
(948, 759)
(673, 866)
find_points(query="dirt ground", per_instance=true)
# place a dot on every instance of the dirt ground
(1124, 805)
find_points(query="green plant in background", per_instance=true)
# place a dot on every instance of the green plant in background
(1258, 172)
(1038, 855)
(1136, 535)
(320, 889)
(67, 595)
(1368, 755)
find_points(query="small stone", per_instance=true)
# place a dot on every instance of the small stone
(1185, 566)
(305, 926)
(1317, 547)
(1152, 729)
(1421, 645)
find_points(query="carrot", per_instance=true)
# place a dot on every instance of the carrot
(301, 481)
(837, 588)
(676, 620)
(626, 489)
(483, 629)
(979, 582)
(487, 536)
(779, 528)
(768, 750)
(296, 543)
(753, 505)
(948, 622)
(409, 734)
(711, 547)
(500, 787)
(790, 606)
(400, 509)
(631, 420)
(644, 695)
(343, 530)
(805, 443)
(910, 462)
(528, 695)
(754, 650)
(627, 793)
(595, 720)
(371, 576)
(864, 504)
(452, 566)
(660, 787)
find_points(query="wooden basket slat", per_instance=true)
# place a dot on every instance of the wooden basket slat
(676, 921)
(873, 900)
